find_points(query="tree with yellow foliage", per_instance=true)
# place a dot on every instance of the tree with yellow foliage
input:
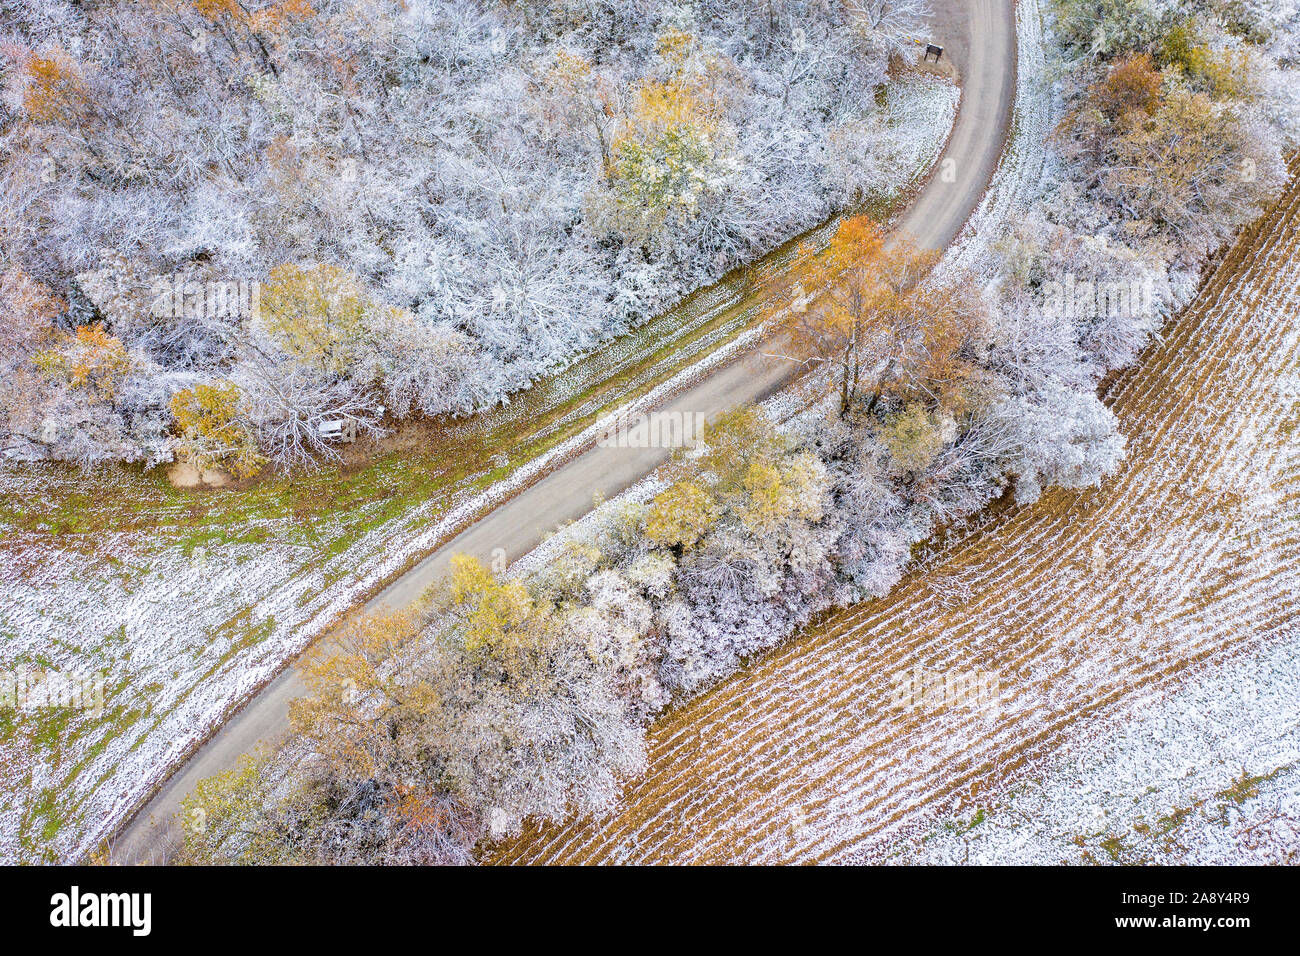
(681, 514)
(354, 785)
(913, 436)
(212, 431)
(488, 616)
(745, 474)
(480, 695)
(1192, 168)
(666, 157)
(931, 346)
(318, 314)
(672, 151)
(230, 818)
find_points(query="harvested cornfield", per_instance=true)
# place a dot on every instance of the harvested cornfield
(1019, 637)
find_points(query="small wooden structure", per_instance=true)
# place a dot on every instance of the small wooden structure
(936, 50)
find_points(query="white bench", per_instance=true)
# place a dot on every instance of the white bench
(338, 429)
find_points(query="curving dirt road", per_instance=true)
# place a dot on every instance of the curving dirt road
(979, 37)
(1083, 607)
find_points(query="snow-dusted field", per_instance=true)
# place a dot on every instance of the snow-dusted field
(182, 626)
(1208, 775)
(1039, 659)
(180, 633)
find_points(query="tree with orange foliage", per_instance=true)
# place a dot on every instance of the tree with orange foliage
(833, 327)
(27, 308)
(88, 360)
(62, 395)
(873, 318)
(1171, 143)
(1124, 99)
(57, 91)
(1131, 88)
(354, 785)
(361, 694)
(927, 340)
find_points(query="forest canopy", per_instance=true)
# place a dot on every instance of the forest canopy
(360, 210)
